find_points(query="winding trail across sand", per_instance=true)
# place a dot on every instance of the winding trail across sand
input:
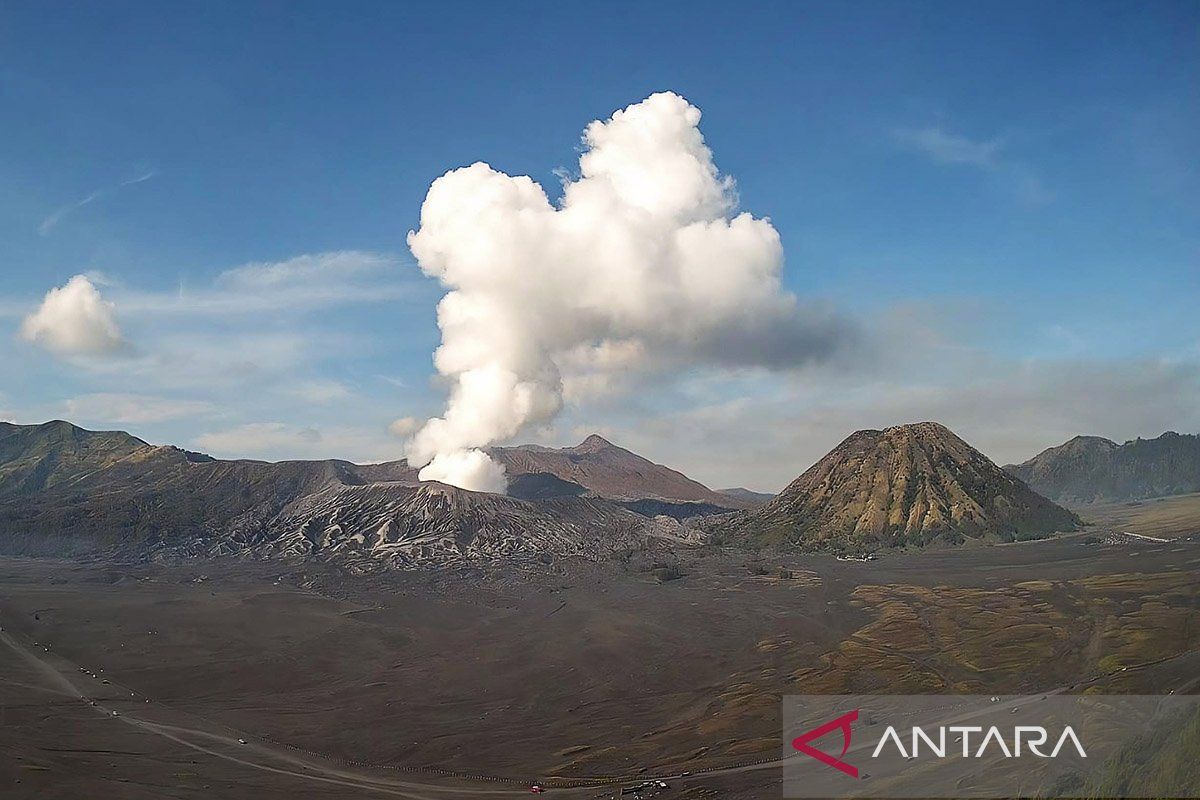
(256, 755)
(219, 741)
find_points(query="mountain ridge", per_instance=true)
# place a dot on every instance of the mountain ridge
(1092, 469)
(65, 489)
(603, 469)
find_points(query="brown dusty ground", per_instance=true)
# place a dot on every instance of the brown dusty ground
(366, 687)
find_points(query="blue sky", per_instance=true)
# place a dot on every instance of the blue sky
(1006, 197)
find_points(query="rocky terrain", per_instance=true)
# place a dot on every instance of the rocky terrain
(280, 680)
(368, 526)
(638, 655)
(1091, 469)
(908, 485)
(65, 490)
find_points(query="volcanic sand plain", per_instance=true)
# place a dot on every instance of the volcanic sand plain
(478, 683)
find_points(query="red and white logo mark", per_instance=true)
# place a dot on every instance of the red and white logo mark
(801, 743)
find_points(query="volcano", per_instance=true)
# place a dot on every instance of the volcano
(907, 485)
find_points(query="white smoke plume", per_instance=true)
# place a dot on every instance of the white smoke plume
(643, 265)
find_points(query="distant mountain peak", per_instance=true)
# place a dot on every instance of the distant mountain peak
(1089, 440)
(912, 430)
(61, 427)
(925, 428)
(593, 443)
(603, 469)
(1091, 469)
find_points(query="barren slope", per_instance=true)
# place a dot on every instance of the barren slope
(911, 484)
(65, 490)
(605, 470)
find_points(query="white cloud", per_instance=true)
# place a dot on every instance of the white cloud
(262, 341)
(322, 392)
(945, 147)
(74, 319)
(302, 283)
(259, 438)
(643, 267)
(273, 441)
(951, 148)
(304, 270)
(231, 360)
(132, 408)
(404, 427)
(179, 344)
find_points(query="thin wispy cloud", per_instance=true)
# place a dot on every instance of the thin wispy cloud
(989, 155)
(302, 283)
(299, 284)
(52, 221)
(130, 409)
(951, 148)
(273, 441)
(1009, 408)
(258, 341)
(322, 391)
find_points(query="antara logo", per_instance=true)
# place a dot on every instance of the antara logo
(1032, 737)
(801, 743)
(1024, 738)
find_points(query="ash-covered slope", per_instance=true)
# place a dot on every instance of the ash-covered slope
(598, 468)
(427, 525)
(911, 484)
(65, 490)
(1090, 469)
